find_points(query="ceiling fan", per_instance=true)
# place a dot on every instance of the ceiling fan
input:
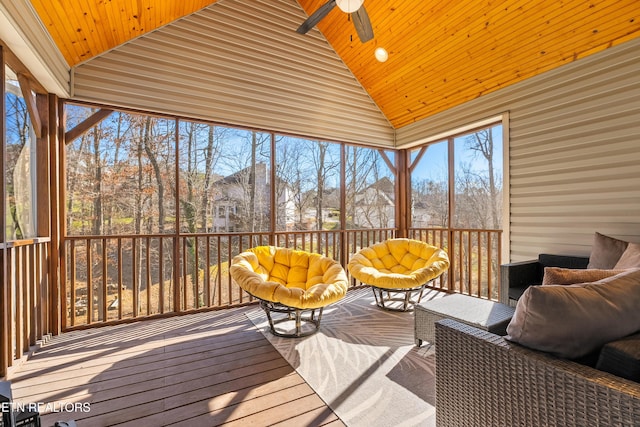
(358, 13)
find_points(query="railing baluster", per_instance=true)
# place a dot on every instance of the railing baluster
(161, 307)
(229, 280)
(207, 271)
(89, 267)
(32, 295)
(134, 273)
(103, 306)
(219, 278)
(196, 272)
(148, 275)
(185, 272)
(24, 302)
(120, 282)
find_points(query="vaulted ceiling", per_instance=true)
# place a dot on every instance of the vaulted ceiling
(442, 53)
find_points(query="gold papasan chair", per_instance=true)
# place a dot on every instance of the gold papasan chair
(398, 270)
(290, 282)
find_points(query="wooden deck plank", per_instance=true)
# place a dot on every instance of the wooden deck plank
(96, 359)
(290, 414)
(164, 392)
(322, 416)
(207, 367)
(123, 341)
(32, 385)
(170, 375)
(182, 407)
(259, 405)
(143, 371)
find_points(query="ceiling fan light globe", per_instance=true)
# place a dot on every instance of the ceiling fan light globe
(381, 54)
(349, 6)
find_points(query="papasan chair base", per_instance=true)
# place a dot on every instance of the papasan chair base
(398, 299)
(279, 315)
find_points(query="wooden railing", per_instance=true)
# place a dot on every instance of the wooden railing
(139, 276)
(475, 257)
(25, 309)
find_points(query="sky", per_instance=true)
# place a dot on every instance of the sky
(433, 164)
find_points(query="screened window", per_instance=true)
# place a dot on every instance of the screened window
(224, 170)
(308, 184)
(430, 186)
(120, 174)
(20, 163)
(370, 188)
(478, 179)
(457, 182)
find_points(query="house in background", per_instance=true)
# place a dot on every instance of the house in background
(375, 205)
(232, 206)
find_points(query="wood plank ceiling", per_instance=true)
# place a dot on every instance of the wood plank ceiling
(442, 53)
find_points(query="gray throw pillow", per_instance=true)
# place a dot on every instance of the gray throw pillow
(571, 276)
(606, 251)
(573, 320)
(630, 258)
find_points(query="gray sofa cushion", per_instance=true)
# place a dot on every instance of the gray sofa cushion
(622, 358)
(573, 320)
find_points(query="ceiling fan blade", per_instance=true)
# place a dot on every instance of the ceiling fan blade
(362, 24)
(316, 17)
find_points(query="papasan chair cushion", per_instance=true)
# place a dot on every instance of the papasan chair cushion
(294, 279)
(399, 265)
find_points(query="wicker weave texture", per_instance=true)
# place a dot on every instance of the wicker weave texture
(483, 380)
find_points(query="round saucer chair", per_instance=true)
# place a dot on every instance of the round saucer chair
(398, 271)
(291, 285)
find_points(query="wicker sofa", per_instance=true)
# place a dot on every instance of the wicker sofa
(484, 380)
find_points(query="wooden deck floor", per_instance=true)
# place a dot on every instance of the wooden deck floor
(203, 369)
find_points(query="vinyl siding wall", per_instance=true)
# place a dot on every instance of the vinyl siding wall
(241, 63)
(574, 152)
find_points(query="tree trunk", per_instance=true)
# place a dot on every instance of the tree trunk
(209, 154)
(156, 170)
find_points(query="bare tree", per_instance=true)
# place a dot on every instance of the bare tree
(482, 143)
(292, 170)
(324, 165)
(359, 165)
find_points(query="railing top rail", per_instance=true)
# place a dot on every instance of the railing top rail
(25, 242)
(238, 234)
(483, 230)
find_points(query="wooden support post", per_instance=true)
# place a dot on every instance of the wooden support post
(402, 193)
(4, 282)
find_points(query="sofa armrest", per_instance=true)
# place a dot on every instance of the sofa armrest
(518, 275)
(564, 261)
(484, 380)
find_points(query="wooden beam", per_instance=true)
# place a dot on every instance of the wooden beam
(86, 124)
(32, 106)
(415, 162)
(384, 156)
